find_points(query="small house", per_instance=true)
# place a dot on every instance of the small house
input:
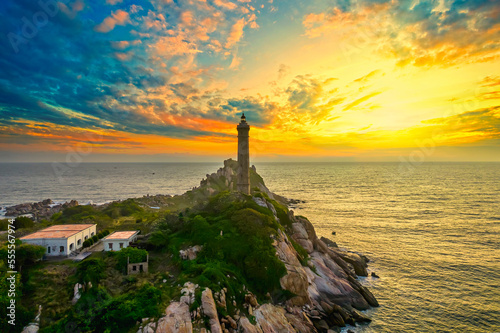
(119, 240)
(61, 240)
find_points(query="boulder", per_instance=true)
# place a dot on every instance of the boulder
(360, 317)
(220, 298)
(190, 253)
(308, 227)
(210, 310)
(272, 319)
(244, 326)
(296, 281)
(355, 260)
(328, 242)
(177, 319)
(321, 325)
(148, 328)
(188, 293)
(251, 299)
(368, 296)
(300, 322)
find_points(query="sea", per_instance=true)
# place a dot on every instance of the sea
(430, 230)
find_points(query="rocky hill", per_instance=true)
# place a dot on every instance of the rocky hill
(320, 281)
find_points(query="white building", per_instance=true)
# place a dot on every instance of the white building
(61, 240)
(119, 240)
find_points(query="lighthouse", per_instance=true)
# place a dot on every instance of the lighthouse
(243, 181)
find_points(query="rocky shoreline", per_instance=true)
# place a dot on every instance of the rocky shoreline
(38, 210)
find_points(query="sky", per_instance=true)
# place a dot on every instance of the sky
(167, 81)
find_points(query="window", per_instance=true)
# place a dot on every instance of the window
(48, 249)
(61, 248)
(70, 247)
(110, 246)
(92, 234)
(79, 242)
(86, 237)
(134, 268)
(121, 245)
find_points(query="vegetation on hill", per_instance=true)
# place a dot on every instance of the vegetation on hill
(235, 235)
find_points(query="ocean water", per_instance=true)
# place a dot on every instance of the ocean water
(432, 231)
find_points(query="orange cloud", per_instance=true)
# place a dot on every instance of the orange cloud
(118, 17)
(236, 33)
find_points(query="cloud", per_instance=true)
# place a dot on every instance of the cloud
(283, 71)
(236, 33)
(424, 34)
(225, 4)
(369, 76)
(360, 100)
(118, 17)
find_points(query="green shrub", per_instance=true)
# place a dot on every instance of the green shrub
(125, 208)
(4, 224)
(23, 222)
(90, 270)
(95, 238)
(244, 250)
(158, 239)
(135, 255)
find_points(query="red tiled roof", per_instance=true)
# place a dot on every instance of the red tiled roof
(58, 231)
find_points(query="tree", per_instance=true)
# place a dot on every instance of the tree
(25, 254)
(158, 239)
(90, 270)
(23, 222)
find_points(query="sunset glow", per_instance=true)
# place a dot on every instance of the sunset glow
(318, 80)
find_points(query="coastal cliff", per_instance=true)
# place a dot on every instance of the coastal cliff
(220, 261)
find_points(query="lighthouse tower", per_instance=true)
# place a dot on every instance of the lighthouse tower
(243, 181)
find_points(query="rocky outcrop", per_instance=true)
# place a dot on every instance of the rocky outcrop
(34, 326)
(328, 285)
(210, 310)
(190, 253)
(328, 242)
(245, 326)
(188, 293)
(177, 319)
(38, 210)
(272, 318)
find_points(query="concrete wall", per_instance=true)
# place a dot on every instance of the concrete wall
(137, 268)
(78, 239)
(116, 244)
(53, 243)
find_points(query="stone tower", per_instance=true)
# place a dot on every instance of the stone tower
(243, 184)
